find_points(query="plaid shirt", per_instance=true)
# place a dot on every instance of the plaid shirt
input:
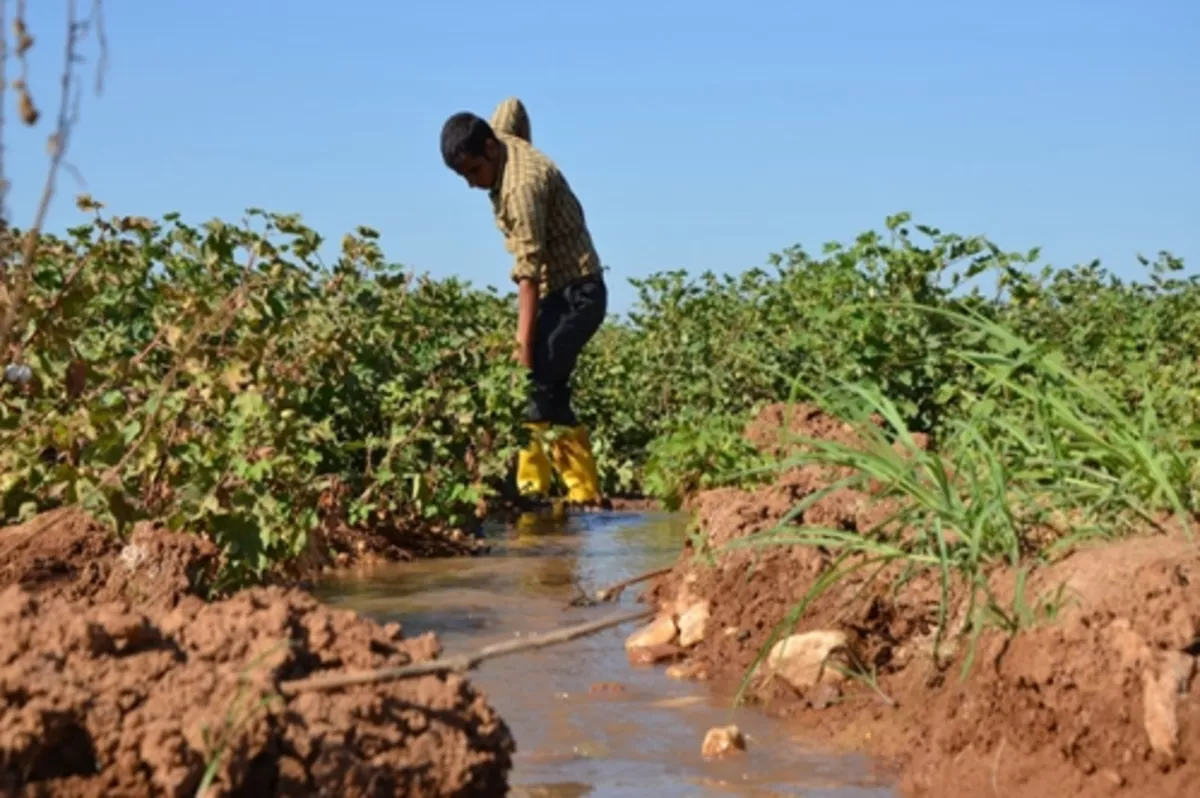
(541, 219)
(511, 118)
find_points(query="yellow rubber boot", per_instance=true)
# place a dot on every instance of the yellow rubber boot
(533, 466)
(574, 460)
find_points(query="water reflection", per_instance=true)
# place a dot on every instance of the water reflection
(554, 568)
(643, 739)
(567, 789)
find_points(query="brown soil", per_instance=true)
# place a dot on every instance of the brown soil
(116, 679)
(1099, 698)
(66, 553)
(510, 509)
(344, 548)
(339, 546)
(633, 504)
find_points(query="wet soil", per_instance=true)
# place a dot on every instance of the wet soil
(338, 547)
(1099, 698)
(586, 722)
(118, 679)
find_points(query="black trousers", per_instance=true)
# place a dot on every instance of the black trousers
(566, 320)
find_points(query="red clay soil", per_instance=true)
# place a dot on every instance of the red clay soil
(1101, 699)
(337, 545)
(345, 548)
(66, 553)
(117, 680)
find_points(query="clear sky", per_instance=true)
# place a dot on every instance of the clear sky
(698, 135)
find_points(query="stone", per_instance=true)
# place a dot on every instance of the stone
(652, 655)
(722, 740)
(685, 595)
(1161, 688)
(686, 671)
(692, 624)
(823, 695)
(678, 702)
(606, 688)
(801, 659)
(659, 632)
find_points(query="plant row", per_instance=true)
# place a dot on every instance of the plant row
(221, 378)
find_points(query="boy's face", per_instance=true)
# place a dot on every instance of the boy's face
(480, 170)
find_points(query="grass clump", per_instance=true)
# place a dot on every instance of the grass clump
(1039, 458)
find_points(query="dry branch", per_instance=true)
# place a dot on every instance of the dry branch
(611, 592)
(3, 103)
(463, 662)
(12, 295)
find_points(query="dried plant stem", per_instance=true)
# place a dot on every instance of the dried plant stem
(3, 103)
(611, 592)
(12, 293)
(463, 662)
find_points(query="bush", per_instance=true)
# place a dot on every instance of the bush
(219, 379)
(222, 379)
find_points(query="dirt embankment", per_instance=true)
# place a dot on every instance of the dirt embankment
(117, 679)
(1099, 698)
(336, 544)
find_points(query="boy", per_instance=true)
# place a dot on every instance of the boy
(562, 297)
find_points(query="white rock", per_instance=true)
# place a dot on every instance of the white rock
(801, 659)
(722, 740)
(685, 596)
(659, 632)
(685, 671)
(692, 624)
(1161, 689)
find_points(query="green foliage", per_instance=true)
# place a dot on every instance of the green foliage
(1041, 456)
(235, 387)
(699, 456)
(223, 379)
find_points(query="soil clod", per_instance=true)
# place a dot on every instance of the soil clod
(1097, 696)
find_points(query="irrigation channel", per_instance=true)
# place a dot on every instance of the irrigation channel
(585, 721)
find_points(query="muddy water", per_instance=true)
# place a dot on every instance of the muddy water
(575, 734)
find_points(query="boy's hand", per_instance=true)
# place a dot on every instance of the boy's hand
(524, 354)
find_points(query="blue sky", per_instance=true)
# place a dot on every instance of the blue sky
(698, 135)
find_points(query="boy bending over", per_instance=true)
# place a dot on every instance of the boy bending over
(561, 291)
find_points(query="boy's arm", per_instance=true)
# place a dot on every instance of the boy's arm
(527, 240)
(527, 298)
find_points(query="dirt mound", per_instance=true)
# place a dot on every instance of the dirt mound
(67, 553)
(1101, 697)
(337, 545)
(1098, 698)
(107, 700)
(348, 548)
(776, 427)
(62, 550)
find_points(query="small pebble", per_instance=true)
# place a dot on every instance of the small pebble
(722, 740)
(608, 688)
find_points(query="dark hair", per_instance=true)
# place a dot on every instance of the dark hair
(464, 134)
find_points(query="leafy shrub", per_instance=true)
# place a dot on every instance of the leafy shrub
(226, 383)
(695, 457)
(223, 379)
